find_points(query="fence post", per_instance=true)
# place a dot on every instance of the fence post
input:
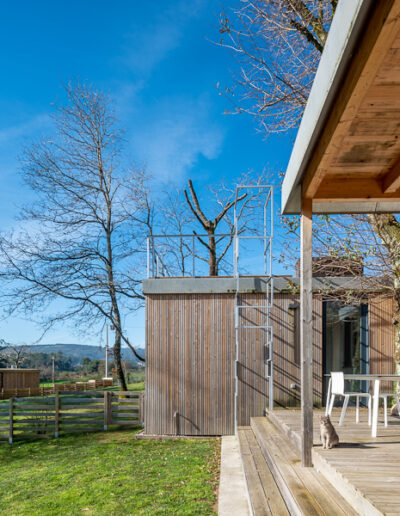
(57, 415)
(141, 408)
(11, 420)
(107, 409)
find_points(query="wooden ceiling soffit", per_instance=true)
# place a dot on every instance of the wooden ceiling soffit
(380, 33)
(391, 181)
(354, 190)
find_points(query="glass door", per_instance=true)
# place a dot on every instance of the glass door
(345, 342)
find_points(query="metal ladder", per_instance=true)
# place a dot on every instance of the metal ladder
(266, 325)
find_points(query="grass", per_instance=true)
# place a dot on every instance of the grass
(136, 382)
(45, 383)
(109, 473)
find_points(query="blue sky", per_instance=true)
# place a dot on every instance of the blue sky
(159, 64)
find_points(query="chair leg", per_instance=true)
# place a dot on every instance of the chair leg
(345, 403)
(369, 411)
(357, 409)
(331, 405)
(385, 409)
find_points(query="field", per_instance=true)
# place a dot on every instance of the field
(136, 382)
(109, 474)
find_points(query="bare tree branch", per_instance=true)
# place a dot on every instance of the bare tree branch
(81, 239)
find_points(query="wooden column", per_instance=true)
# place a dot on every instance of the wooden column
(306, 332)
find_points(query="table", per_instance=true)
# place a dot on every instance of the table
(376, 378)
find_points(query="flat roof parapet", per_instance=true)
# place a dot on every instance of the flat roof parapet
(253, 284)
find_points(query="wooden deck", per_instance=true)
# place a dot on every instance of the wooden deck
(364, 470)
(277, 483)
(265, 497)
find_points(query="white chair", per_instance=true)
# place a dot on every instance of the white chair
(385, 396)
(338, 390)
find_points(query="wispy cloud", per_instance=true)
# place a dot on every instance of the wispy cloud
(12, 140)
(145, 49)
(175, 135)
(10, 135)
(147, 45)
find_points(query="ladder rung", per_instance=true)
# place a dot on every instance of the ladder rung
(254, 306)
(253, 326)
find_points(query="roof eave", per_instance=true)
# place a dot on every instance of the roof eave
(347, 25)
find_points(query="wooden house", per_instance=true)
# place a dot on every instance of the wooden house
(190, 348)
(19, 379)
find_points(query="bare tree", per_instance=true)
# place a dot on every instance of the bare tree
(223, 198)
(175, 251)
(14, 354)
(210, 226)
(370, 240)
(277, 44)
(79, 239)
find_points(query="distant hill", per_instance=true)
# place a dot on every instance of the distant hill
(78, 351)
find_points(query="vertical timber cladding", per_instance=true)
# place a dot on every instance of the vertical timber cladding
(190, 362)
(381, 338)
(287, 357)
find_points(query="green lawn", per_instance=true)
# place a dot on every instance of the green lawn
(136, 382)
(109, 474)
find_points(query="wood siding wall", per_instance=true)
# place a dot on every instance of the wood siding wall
(381, 338)
(189, 364)
(19, 379)
(190, 359)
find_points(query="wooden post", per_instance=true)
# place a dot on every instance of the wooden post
(109, 412)
(53, 372)
(57, 414)
(11, 420)
(107, 409)
(141, 408)
(306, 333)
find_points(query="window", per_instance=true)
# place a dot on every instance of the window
(345, 339)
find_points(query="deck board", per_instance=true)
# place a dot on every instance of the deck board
(304, 490)
(264, 494)
(368, 468)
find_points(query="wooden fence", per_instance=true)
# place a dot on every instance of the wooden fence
(58, 387)
(65, 413)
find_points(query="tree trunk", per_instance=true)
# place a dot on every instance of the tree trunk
(212, 259)
(118, 361)
(115, 311)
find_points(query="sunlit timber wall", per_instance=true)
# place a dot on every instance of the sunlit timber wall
(190, 339)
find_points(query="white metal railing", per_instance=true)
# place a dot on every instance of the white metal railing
(184, 255)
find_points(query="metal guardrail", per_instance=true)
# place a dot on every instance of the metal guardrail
(163, 251)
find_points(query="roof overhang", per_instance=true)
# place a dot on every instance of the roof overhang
(346, 156)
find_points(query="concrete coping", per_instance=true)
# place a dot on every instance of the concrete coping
(249, 284)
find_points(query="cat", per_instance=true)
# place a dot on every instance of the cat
(329, 437)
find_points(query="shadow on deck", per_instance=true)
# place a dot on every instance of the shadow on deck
(363, 469)
(277, 482)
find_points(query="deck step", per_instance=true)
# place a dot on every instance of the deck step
(350, 470)
(265, 496)
(304, 490)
